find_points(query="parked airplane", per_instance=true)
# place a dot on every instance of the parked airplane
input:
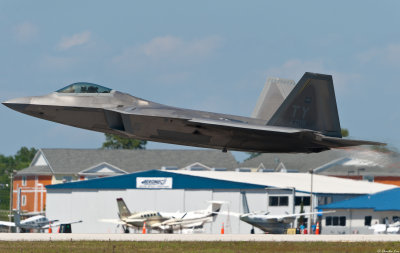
(269, 223)
(162, 221)
(393, 228)
(307, 120)
(37, 222)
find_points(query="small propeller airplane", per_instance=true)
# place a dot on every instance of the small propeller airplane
(37, 222)
(163, 221)
(269, 223)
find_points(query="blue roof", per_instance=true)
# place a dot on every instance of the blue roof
(179, 181)
(381, 201)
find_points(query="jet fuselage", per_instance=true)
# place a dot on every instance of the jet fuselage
(307, 121)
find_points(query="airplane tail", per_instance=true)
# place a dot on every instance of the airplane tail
(310, 105)
(244, 203)
(123, 209)
(214, 208)
(17, 219)
(273, 94)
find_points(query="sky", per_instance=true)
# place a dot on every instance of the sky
(205, 55)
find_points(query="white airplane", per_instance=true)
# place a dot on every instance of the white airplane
(38, 222)
(393, 228)
(162, 221)
(272, 224)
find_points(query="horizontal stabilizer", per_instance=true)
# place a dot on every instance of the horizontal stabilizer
(339, 142)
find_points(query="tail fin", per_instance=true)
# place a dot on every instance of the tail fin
(17, 219)
(123, 209)
(215, 206)
(244, 203)
(310, 105)
(273, 94)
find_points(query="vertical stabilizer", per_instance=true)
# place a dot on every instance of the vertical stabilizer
(273, 94)
(17, 218)
(214, 208)
(310, 105)
(123, 209)
(244, 203)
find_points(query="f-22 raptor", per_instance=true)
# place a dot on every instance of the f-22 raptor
(306, 121)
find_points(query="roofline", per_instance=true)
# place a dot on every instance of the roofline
(34, 174)
(94, 166)
(47, 161)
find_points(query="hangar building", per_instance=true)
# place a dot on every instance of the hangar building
(363, 211)
(188, 190)
(52, 166)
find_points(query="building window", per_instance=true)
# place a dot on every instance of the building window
(23, 200)
(335, 221)
(367, 220)
(328, 221)
(278, 201)
(342, 221)
(304, 199)
(23, 180)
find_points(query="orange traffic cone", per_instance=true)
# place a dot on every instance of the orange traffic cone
(222, 229)
(144, 228)
(317, 229)
(50, 230)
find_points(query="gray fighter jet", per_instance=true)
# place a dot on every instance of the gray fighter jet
(307, 120)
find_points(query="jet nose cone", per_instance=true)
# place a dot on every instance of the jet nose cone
(18, 104)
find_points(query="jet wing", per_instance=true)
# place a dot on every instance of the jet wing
(223, 122)
(7, 223)
(242, 125)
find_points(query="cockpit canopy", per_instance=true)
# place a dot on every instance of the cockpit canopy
(84, 88)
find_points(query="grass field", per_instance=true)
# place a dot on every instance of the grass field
(112, 246)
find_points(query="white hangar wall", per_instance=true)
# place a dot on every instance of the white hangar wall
(94, 200)
(91, 206)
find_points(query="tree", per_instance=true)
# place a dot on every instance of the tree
(8, 164)
(117, 142)
(345, 132)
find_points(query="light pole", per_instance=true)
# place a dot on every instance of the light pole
(11, 196)
(41, 197)
(310, 219)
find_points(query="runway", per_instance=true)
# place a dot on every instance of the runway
(196, 237)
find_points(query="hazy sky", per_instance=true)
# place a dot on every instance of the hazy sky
(206, 55)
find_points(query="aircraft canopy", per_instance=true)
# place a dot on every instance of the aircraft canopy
(84, 88)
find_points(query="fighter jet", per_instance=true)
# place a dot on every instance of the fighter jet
(163, 221)
(307, 121)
